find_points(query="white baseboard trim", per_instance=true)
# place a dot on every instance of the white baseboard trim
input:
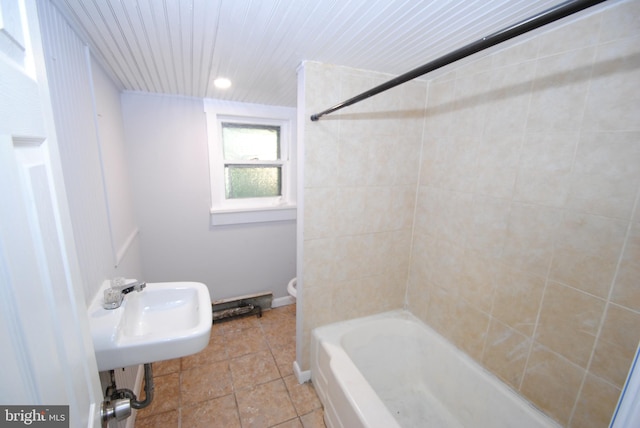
(302, 376)
(282, 301)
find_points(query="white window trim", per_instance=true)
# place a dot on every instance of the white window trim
(250, 210)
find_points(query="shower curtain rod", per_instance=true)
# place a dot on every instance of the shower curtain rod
(543, 18)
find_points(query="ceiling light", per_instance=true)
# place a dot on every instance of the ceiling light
(222, 83)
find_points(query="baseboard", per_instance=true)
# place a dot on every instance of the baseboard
(282, 301)
(302, 376)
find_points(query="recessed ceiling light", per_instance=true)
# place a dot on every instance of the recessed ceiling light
(222, 83)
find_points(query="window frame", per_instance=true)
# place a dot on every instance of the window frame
(225, 211)
(282, 162)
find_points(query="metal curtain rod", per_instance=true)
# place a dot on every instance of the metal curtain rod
(543, 18)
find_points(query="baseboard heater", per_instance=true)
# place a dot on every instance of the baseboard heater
(234, 307)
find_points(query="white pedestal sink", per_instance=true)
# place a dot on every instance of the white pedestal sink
(163, 321)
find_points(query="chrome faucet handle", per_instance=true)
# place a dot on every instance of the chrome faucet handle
(135, 286)
(112, 298)
(118, 283)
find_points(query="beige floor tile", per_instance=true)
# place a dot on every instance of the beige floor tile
(214, 352)
(253, 369)
(239, 324)
(205, 382)
(160, 420)
(265, 405)
(247, 341)
(166, 395)
(314, 419)
(285, 355)
(251, 356)
(280, 336)
(220, 412)
(279, 318)
(162, 368)
(293, 423)
(303, 396)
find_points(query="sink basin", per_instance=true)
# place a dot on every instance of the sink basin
(163, 321)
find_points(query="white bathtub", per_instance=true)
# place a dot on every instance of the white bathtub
(391, 370)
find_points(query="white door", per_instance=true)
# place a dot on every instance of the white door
(46, 355)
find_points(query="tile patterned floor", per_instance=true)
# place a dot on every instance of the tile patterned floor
(243, 379)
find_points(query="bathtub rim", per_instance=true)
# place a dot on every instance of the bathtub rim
(334, 332)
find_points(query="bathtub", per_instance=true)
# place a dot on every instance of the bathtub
(391, 370)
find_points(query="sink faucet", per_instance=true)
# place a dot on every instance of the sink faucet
(136, 286)
(113, 296)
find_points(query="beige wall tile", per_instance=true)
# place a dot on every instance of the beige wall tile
(580, 269)
(543, 151)
(440, 105)
(616, 345)
(575, 35)
(505, 193)
(319, 214)
(488, 225)
(596, 404)
(505, 353)
(471, 103)
(529, 240)
(549, 188)
(552, 383)
(559, 91)
(509, 98)
(321, 154)
(417, 296)
(441, 310)
(317, 97)
(626, 290)
(524, 51)
(495, 181)
(319, 264)
(470, 329)
(569, 321)
(615, 72)
(622, 21)
(614, 154)
(477, 280)
(601, 194)
(500, 149)
(421, 260)
(455, 217)
(445, 265)
(517, 298)
(351, 298)
(592, 234)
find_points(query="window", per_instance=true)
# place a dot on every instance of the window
(252, 163)
(251, 158)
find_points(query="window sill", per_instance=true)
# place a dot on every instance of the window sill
(223, 217)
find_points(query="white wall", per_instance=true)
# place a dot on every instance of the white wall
(91, 153)
(114, 168)
(89, 128)
(166, 143)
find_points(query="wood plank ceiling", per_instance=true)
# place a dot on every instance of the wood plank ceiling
(179, 46)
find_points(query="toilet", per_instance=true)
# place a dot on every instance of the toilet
(291, 288)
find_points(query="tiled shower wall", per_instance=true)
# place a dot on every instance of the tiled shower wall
(359, 196)
(525, 249)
